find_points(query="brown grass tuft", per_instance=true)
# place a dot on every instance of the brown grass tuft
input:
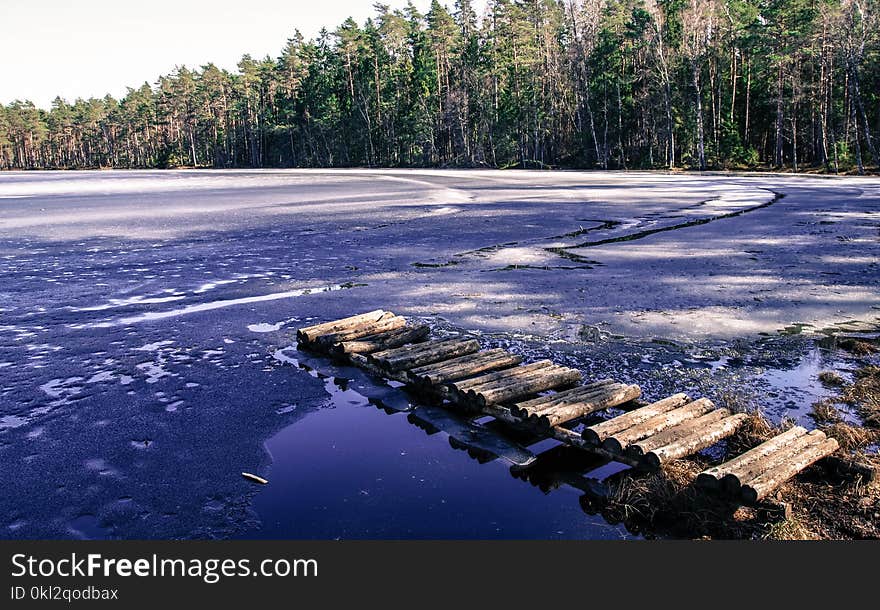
(851, 437)
(754, 431)
(864, 393)
(664, 503)
(824, 412)
(859, 348)
(794, 528)
(830, 378)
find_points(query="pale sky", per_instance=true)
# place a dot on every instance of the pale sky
(85, 48)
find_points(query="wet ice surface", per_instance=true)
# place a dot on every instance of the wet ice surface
(142, 315)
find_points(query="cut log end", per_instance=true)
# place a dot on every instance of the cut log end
(708, 481)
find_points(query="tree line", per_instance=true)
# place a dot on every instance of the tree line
(529, 83)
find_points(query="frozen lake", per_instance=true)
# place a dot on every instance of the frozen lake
(146, 320)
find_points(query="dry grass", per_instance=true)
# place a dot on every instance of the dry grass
(835, 511)
(824, 412)
(752, 433)
(664, 503)
(864, 393)
(851, 438)
(859, 348)
(832, 379)
(793, 528)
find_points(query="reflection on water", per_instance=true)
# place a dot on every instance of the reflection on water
(351, 470)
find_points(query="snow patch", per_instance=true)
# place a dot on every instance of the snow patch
(210, 306)
(152, 347)
(153, 371)
(137, 300)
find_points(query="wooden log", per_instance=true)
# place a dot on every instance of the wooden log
(523, 409)
(772, 512)
(362, 361)
(383, 341)
(852, 468)
(454, 362)
(711, 478)
(405, 350)
(500, 413)
(467, 367)
(735, 478)
(465, 384)
(434, 352)
(697, 441)
(656, 424)
(518, 375)
(579, 395)
(598, 433)
(552, 378)
(559, 433)
(584, 406)
(671, 435)
(308, 334)
(761, 486)
(360, 331)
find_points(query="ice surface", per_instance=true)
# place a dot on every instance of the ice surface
(121, 288)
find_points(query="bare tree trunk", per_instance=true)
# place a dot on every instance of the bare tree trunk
(854, 118)
(748, 99)
(857, 100)
(671, 127)
(777, 159)
(701, 151)
(733, 77)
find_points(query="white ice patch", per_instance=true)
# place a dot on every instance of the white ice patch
(61, 388)
(101, 376)
(152, 347)
(236, 280)
(210, 306)
(136, 300)
(212, 285)
(445, 211)
(265, 327)
(153, 371)
(12, 421)
(280, 356)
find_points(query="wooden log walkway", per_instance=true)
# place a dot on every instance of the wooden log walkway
(546, 400)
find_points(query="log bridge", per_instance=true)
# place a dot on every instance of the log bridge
(551, 401)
